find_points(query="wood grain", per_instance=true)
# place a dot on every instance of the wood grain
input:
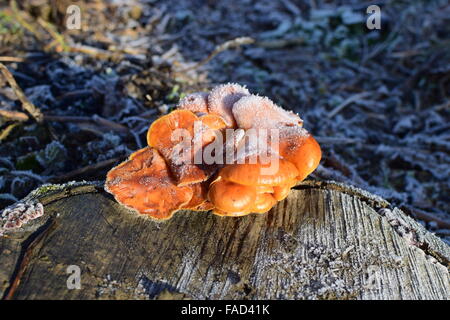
(325, 241)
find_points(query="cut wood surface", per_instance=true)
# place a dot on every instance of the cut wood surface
(325, 241)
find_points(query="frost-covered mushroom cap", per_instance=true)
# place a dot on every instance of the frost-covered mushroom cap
(162, 135)
(196, 102)
(260, 112)
(222, 98)
(301, 150)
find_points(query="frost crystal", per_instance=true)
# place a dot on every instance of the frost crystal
(195, 102)
(260, 112)
(222, 98)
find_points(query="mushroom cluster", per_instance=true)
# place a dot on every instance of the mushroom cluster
(188, 163)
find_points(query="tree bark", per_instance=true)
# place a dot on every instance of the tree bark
(325, 241)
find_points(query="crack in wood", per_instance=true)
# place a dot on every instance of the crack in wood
(25, 257)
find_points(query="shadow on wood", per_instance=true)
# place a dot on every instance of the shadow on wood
(325, 241)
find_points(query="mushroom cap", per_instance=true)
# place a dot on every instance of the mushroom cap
(282, 191)
(160, 136)
(222, 98)
(231, 197)
(263, 203)
(303, 152)
(250, 174)
(213, 121)
(260, 112)
(200, 191)
(196, 102)
(143, 184)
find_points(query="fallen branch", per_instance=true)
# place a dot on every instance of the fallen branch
(10, 59)
(56, 36)
(26, 104)
(95, 118)
(5, 132)
(347, 102)
(22, 117)
(14, 115)
(85, 170)
(426, 216)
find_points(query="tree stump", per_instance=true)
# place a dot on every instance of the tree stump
(325, 241)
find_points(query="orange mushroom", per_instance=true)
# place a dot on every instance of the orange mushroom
(243, 188)
(178, 147)
(222, 98)
(263, 202)
(251, 174)
(212, 124)
(301, 150)
(143, 184)
(158, 180)
(159, 134)
(281, 192)
(213, 121)
(198, 199)
(231, 197)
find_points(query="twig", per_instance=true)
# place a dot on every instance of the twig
(224, 46)
(348, 101)
(421, 71)
(22, 117)
(59, 38)
(426, 216)
(10, 59)
(5, 132)
(105, 54)
(110, 124)
(26, 104)
(337, 140)
(281, 43)
(87, 169)
(14, 115)
(95, 52)
(95, 118)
